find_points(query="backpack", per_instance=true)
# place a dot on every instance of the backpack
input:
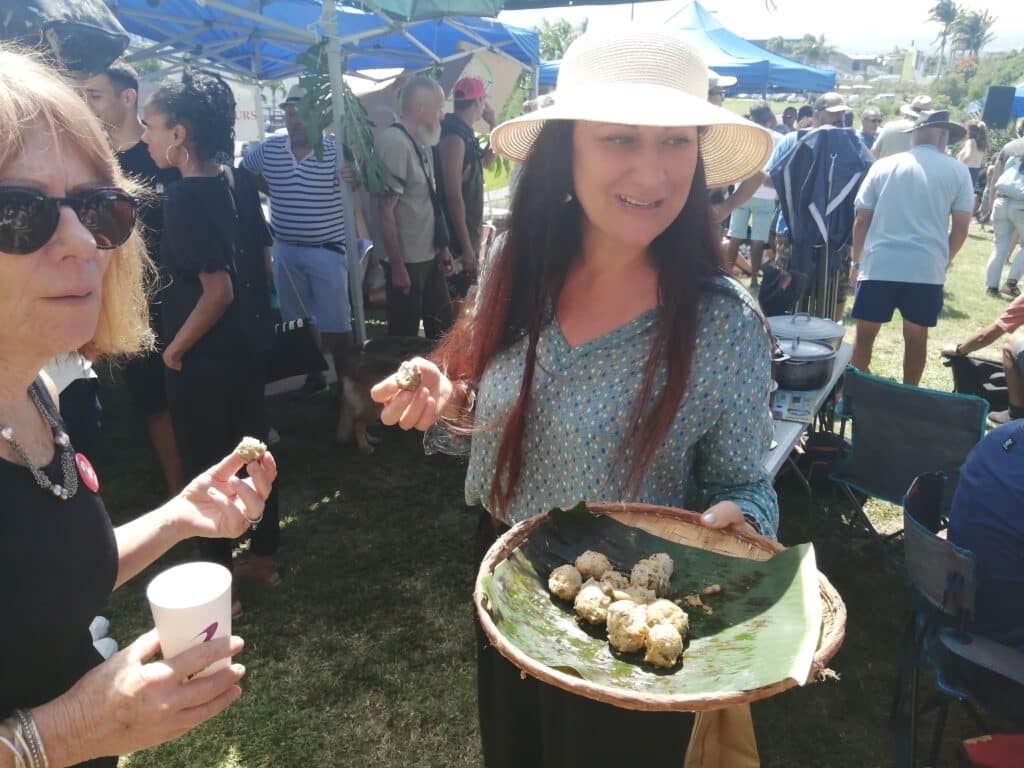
(1011, 182)
(84, 35)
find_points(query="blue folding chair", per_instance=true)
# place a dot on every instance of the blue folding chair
(900, 432)
(941, 579)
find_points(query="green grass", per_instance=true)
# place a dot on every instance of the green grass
(365, 655)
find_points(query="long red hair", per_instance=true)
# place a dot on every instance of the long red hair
(526, 277)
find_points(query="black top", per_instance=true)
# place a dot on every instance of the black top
(472, 178)
(58, 565)
(199, 236)
(137, 163)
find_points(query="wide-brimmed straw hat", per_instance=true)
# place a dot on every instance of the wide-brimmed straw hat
(646, 77)
(939, 119)
(916, 107)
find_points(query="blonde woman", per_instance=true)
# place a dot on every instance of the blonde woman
(71, 277)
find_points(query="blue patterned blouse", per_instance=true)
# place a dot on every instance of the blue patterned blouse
(581, 404)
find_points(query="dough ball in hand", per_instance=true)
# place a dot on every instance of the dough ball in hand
(564, 582)
(250, 449)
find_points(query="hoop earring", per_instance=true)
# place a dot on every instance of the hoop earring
(167, 154)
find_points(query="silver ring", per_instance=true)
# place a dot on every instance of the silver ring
(254, 523)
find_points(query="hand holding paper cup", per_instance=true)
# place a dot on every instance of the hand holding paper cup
(191, 604)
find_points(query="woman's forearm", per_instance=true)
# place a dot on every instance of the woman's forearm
(144, 539)
(214, 301)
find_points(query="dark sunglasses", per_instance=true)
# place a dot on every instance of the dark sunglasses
(29, 218)
(873, 119)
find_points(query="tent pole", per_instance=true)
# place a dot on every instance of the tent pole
(257, 88)
(329, 22)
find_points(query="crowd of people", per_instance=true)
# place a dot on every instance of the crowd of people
(611, 279)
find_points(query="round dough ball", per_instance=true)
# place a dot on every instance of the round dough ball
(649, 575)
(627, 626)
(664, 646)
(664, 562)
(592, 603)
(615, 579)
(667, 612)
(565, 581)
(592, 565)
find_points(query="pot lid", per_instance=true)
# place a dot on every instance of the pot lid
(803, 350)
(804, 327)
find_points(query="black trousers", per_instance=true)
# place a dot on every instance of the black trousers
(213, 407)
(427, 299)
(525, 723)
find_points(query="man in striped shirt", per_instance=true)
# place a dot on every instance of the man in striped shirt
(307, 217)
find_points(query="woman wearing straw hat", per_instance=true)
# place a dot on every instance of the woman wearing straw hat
(609, 357)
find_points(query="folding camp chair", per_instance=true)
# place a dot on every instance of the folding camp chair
(899, 432)
(941, 578)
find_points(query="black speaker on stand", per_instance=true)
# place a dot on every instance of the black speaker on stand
(999, 105)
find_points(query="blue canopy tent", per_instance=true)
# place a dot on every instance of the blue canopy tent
(266, 43)
(1018, 102)
(756, 70)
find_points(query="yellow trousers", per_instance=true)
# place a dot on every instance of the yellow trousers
(723, 738)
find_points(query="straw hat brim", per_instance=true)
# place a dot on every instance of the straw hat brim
(732, 148)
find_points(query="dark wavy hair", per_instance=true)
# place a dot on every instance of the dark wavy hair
(204, 104)
(545, 238)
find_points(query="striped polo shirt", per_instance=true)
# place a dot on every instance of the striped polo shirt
(305, 198)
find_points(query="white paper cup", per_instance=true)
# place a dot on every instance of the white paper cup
(191, 604)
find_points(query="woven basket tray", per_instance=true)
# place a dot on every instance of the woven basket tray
(684, 528)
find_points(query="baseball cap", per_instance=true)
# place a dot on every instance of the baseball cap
(295, 94)
(468, 89)
(830, 102)
(872, 112)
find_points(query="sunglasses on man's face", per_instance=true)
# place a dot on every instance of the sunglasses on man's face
(28, 218)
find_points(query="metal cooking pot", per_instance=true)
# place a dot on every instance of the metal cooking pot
(801, 364)
(803, 326)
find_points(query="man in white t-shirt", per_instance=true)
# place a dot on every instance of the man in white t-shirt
(902, 241)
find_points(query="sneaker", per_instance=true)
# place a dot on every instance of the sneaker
(992, 293)
(107, 646)
(99, 628)
(1010, 289)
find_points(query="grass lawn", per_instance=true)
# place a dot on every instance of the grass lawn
(365, 655)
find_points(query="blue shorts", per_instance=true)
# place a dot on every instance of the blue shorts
(919, 303)
(756, 212)
(312, 283)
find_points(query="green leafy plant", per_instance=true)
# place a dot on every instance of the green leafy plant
(316, 112)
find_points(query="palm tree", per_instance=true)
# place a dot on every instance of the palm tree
(777, 44)
(555, 36)
(813, 50)
(973, 31)
(944, 12)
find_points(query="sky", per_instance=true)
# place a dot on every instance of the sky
(858, 26)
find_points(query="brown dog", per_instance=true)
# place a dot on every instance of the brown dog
(378, 359)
